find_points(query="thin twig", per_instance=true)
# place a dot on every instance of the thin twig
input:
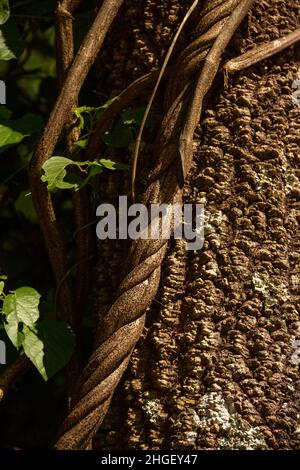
(162, 71)
(13, 372)
(123, 100)
(57, 120)
(121, 326)
(64, 41)
(261, 52)
(64, 58)
(81, 198)
(206, 77)
(74, 81)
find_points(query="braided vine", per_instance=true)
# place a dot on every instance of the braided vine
(123, 324)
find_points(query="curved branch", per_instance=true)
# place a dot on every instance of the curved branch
(122, 325)
(153, 94)
(261, 52)
(13, 372)
(64, 58)
(206, 77)
(123, 100)
(59, 117)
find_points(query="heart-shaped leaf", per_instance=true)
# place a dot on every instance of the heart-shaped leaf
(4, 11)
(55, 172)
(24, 304)
(49, 346)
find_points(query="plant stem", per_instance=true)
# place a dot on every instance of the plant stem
(261, 52)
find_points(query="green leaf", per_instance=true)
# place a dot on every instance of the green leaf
(123, 133)
(5, 113)
(2, 284)
(134, 117)
(94, 171)
(12, 132)
(11, 44)
(111, 165)
(11, 326)
(49, 346)
(55, 172)
(6, 52)
(34, 350)
(23, 303)
(83, 110)
(108, 103)
(121, 136)
(91, 111)
(80, 144)
(74, 180)
(4, 11)
(24, 205)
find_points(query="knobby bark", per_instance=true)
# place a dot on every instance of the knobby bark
(223, 339)
(213, 369)
(123, 324)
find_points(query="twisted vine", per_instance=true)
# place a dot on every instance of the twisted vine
(60, 116)
(122, 326)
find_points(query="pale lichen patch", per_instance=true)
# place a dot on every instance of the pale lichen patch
(241, 439)
(213, 412)
(292, 182)
(271, 288)
(217, 414)
(263, 180)
(213, 220)
(152, 409)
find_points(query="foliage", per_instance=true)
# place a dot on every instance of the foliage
(56, 170)
(47, 343)
(4, 11)
(122, 135)
(28, 323)
(12, 132)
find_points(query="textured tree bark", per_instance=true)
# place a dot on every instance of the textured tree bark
(213, 369)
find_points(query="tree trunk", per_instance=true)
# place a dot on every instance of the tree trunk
(214, 367)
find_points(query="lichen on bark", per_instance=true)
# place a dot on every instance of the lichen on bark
(219, 335)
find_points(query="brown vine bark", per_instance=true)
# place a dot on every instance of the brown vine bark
(122, 325)
(213, 368)
(59, 117)
(223, 339)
